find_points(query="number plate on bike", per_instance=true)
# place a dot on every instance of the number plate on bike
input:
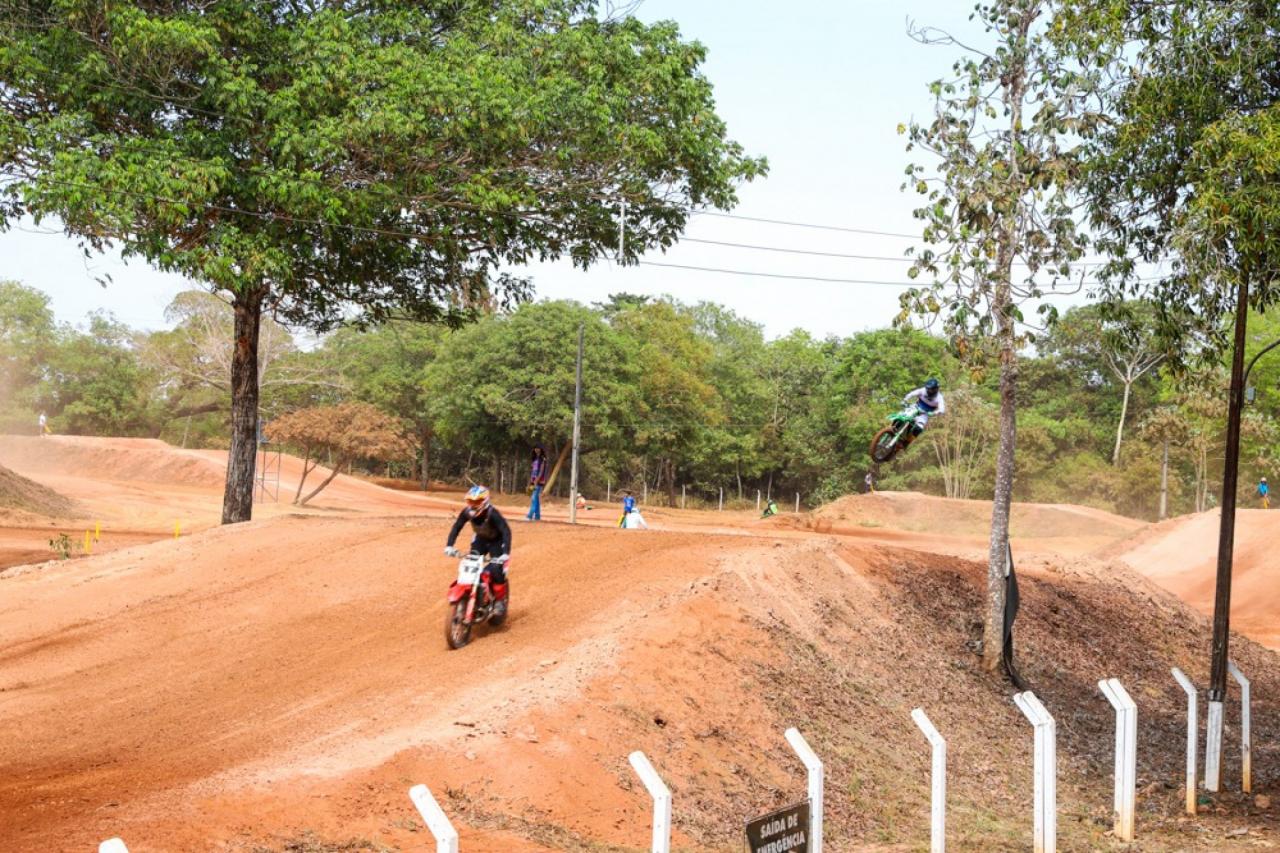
(469, 571)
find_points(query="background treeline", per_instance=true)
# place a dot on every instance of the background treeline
(675, 396)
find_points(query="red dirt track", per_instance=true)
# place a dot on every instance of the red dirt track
(282, 683)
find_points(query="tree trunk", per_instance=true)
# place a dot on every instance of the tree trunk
(555, 469)
(1015, 85)
(1164, 482)
(327, 480)
(307, 467)
(1124, 411)
(671, 483)
(425, 435)
(237, 496)
(993, 633)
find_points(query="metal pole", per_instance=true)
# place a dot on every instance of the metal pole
(938, 775)
(797, 503)
(1164, 482)
(1126, 755)
(813, 765)
(1226, 541)
(1246, 738)
(682, 488)
(721, 499)
(577, 432)
(661, 794)
(757, 500)
(435, 818)
(608, 491)
(1193, 731)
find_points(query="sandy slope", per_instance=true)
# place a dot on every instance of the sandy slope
(1182, 554)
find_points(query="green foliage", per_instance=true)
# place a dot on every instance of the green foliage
(63, 545)
(1187, 166)
(27, 336)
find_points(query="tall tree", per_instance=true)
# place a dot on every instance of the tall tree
(1119, 339)
(389, 366)
(338, 161)
(27, 335)
(998, 226)
(1190, 166)
(345, 432)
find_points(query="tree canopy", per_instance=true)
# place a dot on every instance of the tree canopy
(337, 162)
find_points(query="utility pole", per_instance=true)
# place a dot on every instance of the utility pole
(1164, 482)
(1226, 543)
(577, 432)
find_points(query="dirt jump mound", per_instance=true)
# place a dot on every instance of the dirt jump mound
(140, 459)
(19, 493)
(916, 512)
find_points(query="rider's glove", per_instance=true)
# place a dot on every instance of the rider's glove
(502, 558)
(451, 551)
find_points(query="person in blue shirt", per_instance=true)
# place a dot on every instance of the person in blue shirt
(538, 471)
(1264, 492)
(628, 506)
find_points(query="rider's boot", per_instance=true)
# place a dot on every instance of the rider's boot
(499, 599)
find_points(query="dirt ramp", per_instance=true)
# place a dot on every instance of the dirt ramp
(130, 459)
(18, 494)
(1181, 555)
(915, 512)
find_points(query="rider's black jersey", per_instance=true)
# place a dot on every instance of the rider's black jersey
(490, 527)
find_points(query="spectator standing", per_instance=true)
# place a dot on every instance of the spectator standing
(537, 479)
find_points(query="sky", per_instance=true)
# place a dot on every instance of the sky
(816, 86)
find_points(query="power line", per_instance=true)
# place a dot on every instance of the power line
(779, 275)
(922, 283)
(903, 260)
(804, 224)
(795, 251)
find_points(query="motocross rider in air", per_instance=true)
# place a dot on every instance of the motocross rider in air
(491, 537)
(929, 403)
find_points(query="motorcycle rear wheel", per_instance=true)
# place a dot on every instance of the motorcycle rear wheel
(457, 633)
(885, 444)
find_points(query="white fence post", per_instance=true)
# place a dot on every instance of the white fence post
(435, 818)
(1193, 730)
(938, 775)
(661, 800)
(814, 765)
(1126, 772)
(757, 500)
(1046, 772)
(112, 845)
(797, 503)
(1246, 739)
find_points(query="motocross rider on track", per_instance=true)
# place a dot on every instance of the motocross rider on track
(928, 402)
(491, 536)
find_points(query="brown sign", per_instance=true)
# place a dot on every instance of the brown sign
(784, 831)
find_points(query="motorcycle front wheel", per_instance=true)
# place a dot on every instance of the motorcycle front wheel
(457, 633)
(885, 444)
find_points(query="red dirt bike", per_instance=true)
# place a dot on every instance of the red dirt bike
(894, 438)
(472, 602)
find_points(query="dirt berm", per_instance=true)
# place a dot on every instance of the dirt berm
(280, 685)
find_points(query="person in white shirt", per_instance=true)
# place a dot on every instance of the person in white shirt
(929, 403)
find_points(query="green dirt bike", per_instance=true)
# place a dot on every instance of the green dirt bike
(894, 438)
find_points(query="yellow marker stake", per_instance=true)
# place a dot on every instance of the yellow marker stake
(88, 542)
(177, 529)
(97, 531)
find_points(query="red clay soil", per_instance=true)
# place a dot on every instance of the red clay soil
(1182, 556)
(279, 685)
